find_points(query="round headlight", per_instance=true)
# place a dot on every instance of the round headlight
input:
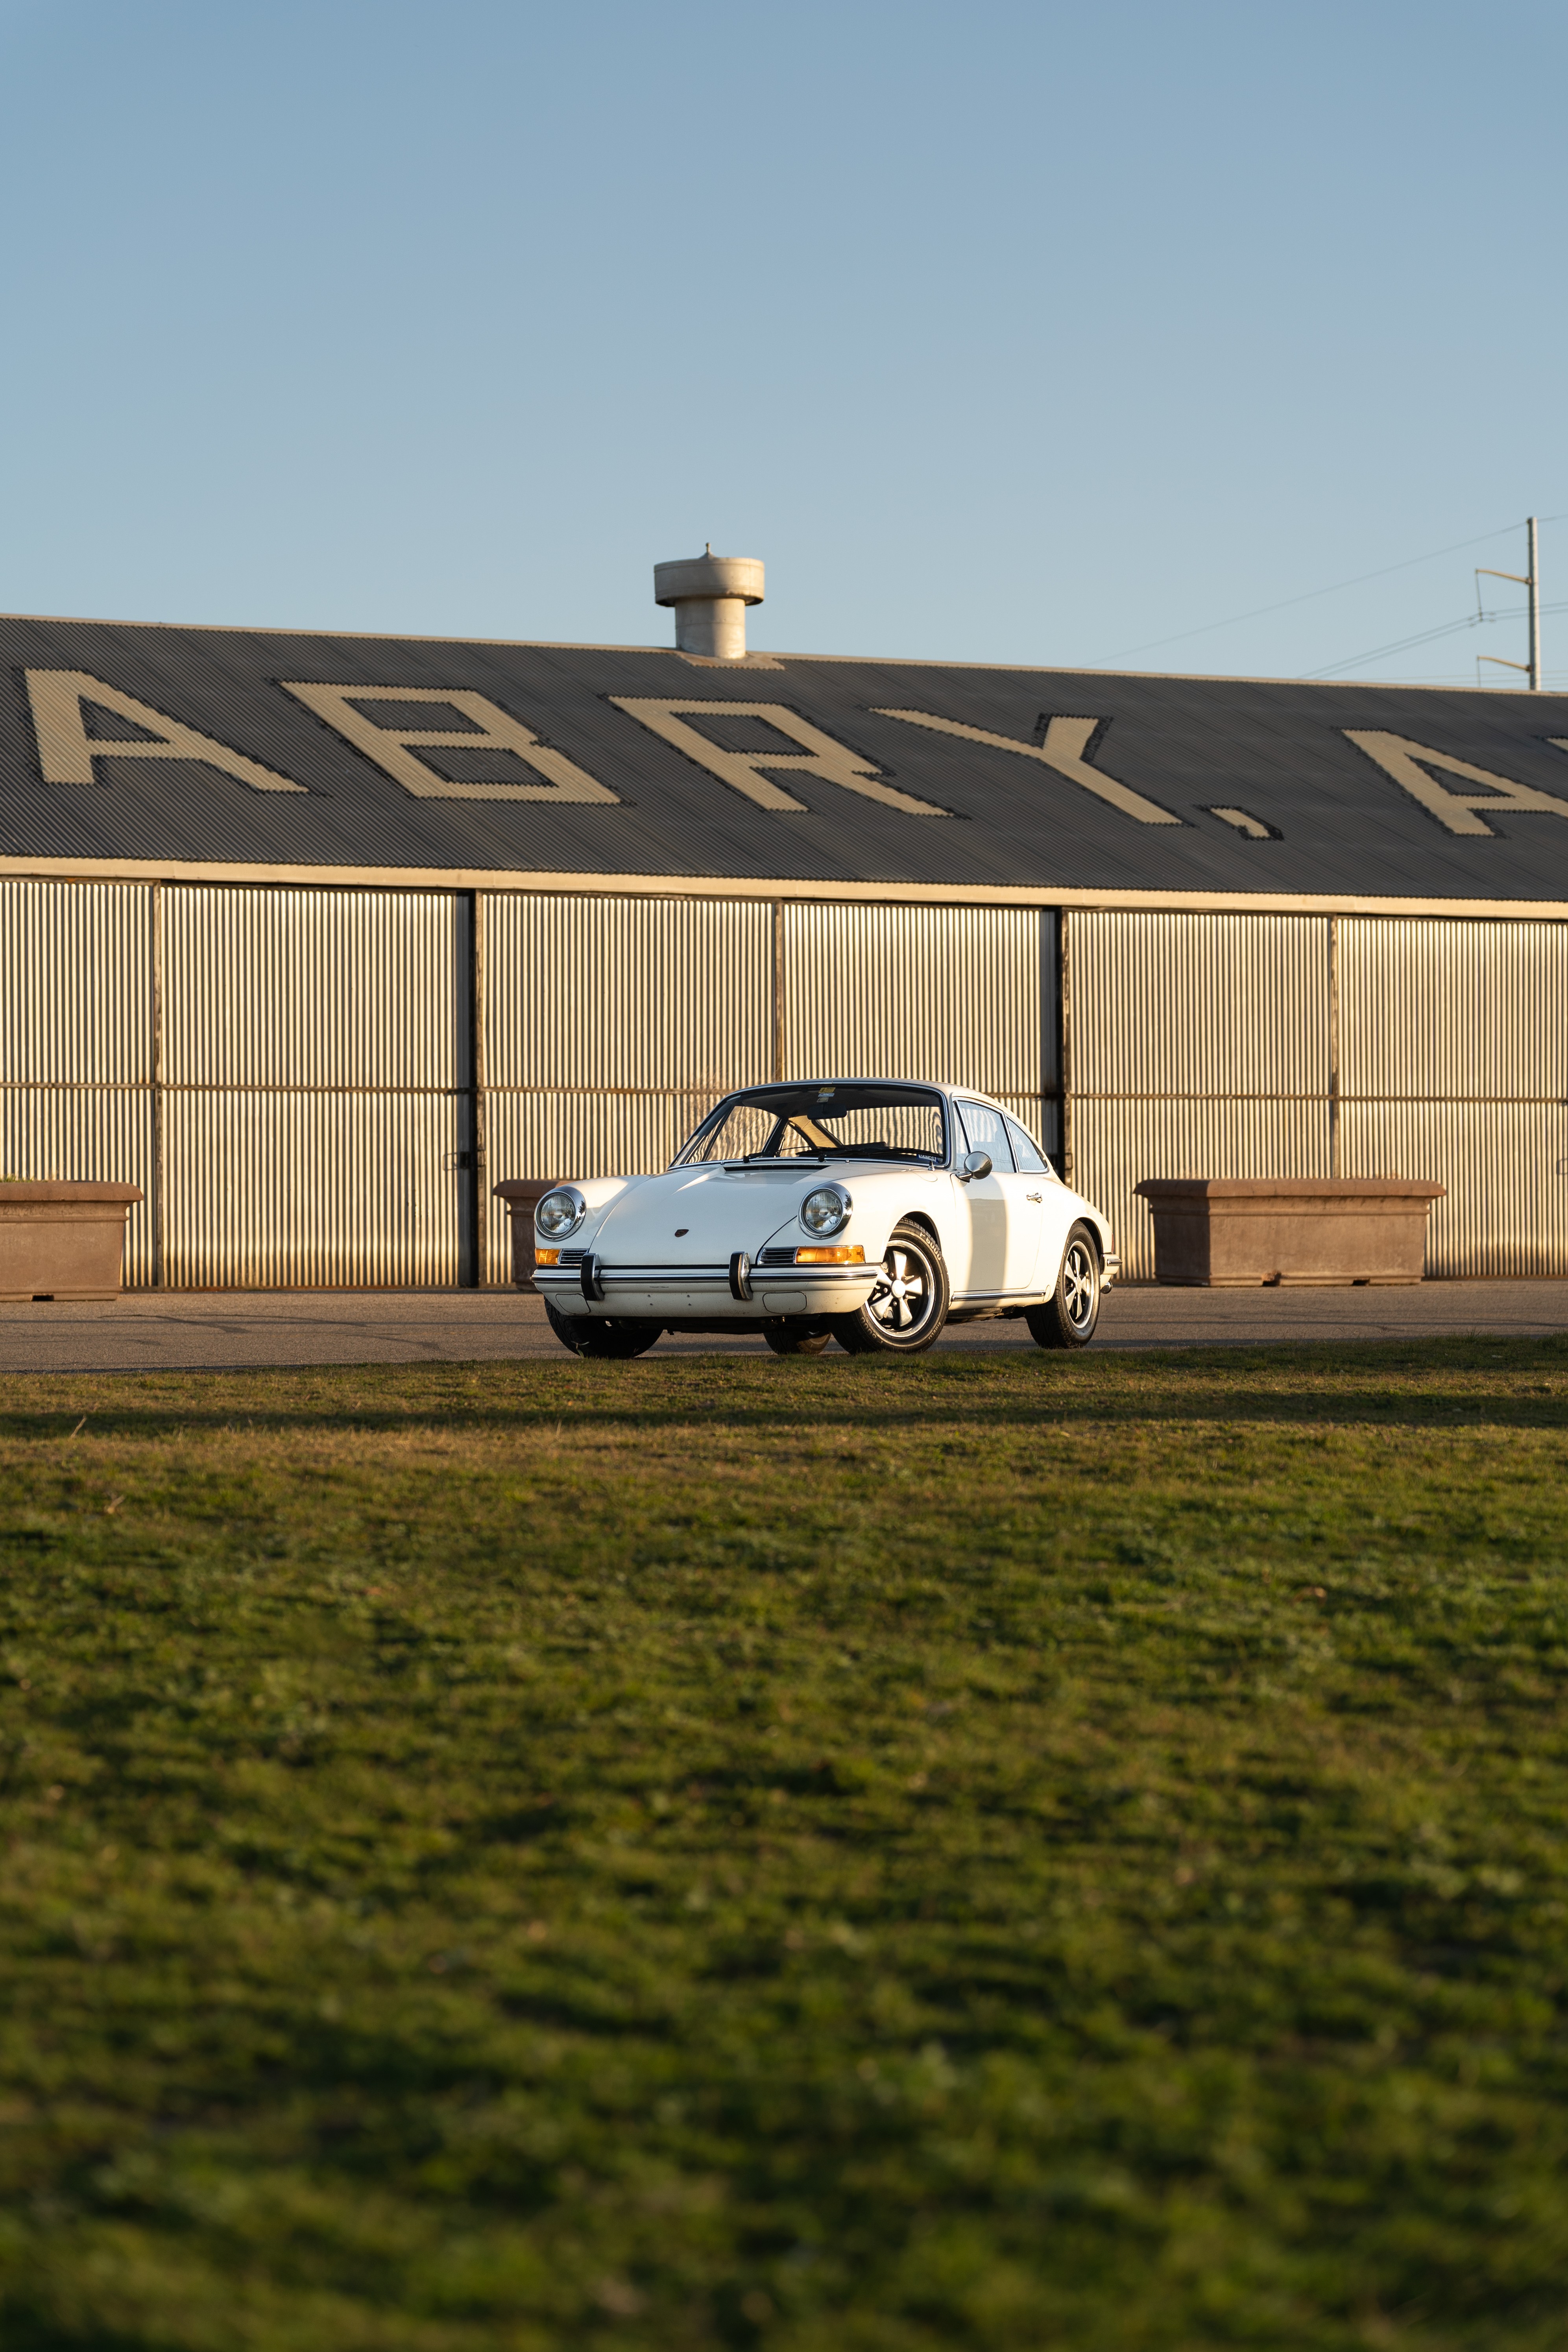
(559, 1213)
(825, 1212)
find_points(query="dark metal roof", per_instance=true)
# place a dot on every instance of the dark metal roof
(1336, 817)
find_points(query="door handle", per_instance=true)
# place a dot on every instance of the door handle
(1033, 1196)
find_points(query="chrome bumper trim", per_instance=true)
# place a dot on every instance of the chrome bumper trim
(698, 1277)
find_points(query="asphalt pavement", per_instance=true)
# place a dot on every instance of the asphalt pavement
(218, 1330)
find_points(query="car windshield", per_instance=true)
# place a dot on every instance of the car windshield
(844, 1122)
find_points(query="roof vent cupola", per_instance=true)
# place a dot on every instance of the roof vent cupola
(710, 593)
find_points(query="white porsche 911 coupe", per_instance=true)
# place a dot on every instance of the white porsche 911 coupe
(868, 1211)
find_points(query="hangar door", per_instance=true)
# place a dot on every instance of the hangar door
(964, 995)
(1453, 1062)
(77, 1043)
(1196, 1045)
(315, 1091)
(285, 1074)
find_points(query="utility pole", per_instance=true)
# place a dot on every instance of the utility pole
(1530, 580)
(1534, 611)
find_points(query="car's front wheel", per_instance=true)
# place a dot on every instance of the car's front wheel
(603, 1335)
(1068, 1316)
(909, 1305)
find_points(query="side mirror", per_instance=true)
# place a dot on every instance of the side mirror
(974, 1164)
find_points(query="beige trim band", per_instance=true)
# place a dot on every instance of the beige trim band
(719, 886)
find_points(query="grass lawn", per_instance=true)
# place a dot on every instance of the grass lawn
(996, 1851)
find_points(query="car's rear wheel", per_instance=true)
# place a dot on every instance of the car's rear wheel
(602, 1335)
(909, 1305)
(1068, 1316)
(791, 1337)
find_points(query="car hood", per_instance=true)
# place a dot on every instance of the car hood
(724, 1210)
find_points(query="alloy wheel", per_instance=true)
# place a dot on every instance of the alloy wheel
(904, 1296)
(1080, 1284)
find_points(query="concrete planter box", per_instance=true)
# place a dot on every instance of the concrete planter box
(62, 1241)
(522, 1195)
(1237, 1233)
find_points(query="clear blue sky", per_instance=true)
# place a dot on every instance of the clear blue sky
(1013, 332)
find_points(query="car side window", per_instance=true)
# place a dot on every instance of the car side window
(1026, 1152)
(987, 1131)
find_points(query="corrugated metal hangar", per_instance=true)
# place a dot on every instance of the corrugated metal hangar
(315, 937)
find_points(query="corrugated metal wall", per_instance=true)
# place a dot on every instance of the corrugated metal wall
(961, 994)
(1308, 1045)
(1197, 1046)
(611, 1024)
(610, 1027)
(966, 994)
(77, 1040)
(289, 1076)
(1453, 1011)
(1454, 1065)
(1206, 1007)
(315, 1085)
(310, 1098)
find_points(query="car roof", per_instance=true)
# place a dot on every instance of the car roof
(865, 1079)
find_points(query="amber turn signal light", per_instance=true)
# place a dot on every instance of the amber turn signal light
(546, 1257)
(851, 1254)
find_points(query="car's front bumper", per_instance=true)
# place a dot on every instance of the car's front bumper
(671, 1293)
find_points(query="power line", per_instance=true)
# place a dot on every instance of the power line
(1259, 611)
(1428, 637)
(1401, 645)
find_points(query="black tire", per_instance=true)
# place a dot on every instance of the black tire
(792, 1337)
(617, 1336)
(909, 1307)
(1068, 1316)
